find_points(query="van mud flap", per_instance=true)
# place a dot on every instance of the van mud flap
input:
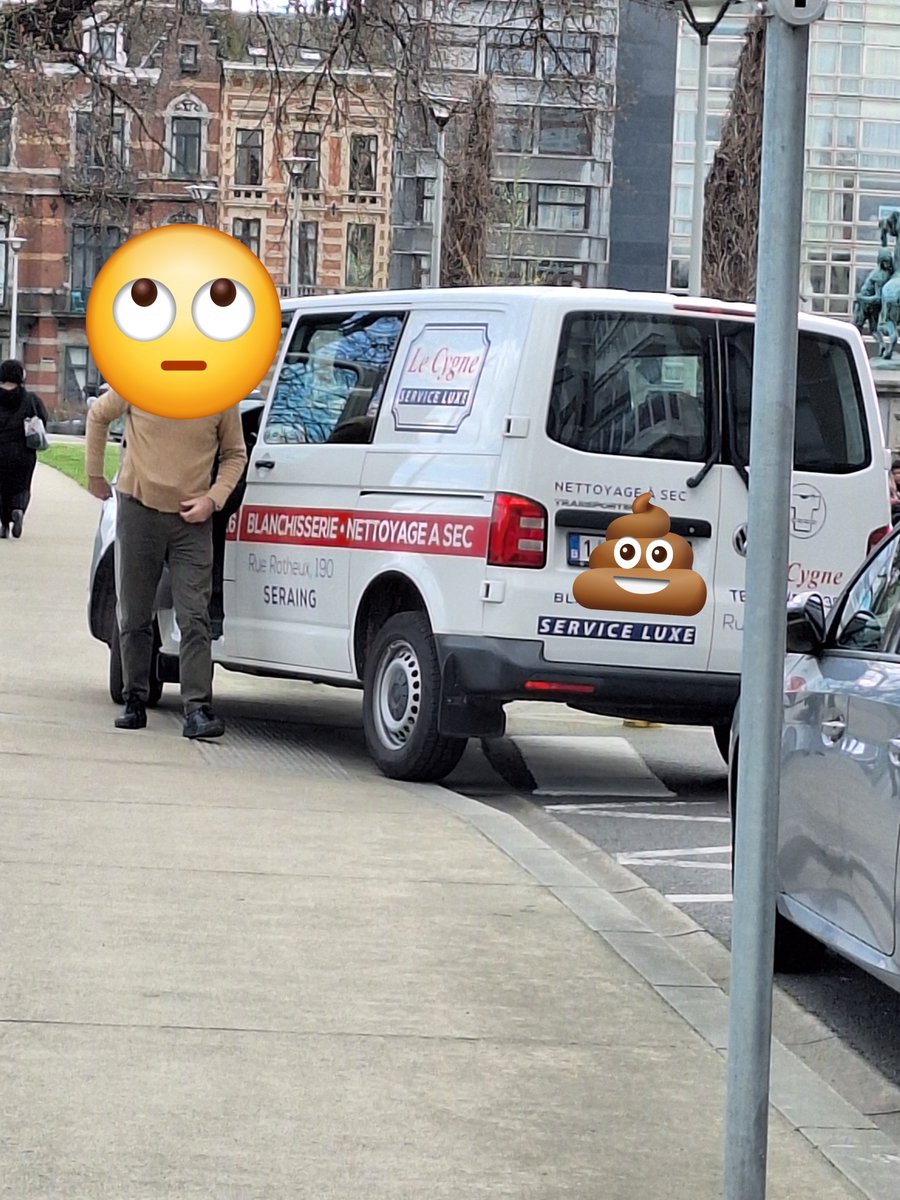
(463, 714)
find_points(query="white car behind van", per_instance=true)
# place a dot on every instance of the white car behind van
(433, 469)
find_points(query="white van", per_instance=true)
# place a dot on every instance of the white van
(433, 468)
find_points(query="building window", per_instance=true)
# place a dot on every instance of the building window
(189, 57)
(248, 158)
(99, 138)
(102, 44)
(568, 54)
(82, 380)
(564, 209)
(512, 205)
(511, 52)
(565, 131)
(363, 163)
(187, 134)
(307, 253)
(425, 200)
(91, 247)
(5, 136)
(307, 153)
(186, 120)
(248, 232)
(514, 129)
(360, 267)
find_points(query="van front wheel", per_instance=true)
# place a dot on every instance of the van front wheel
(401, 702)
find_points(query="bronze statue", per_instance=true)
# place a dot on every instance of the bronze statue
(867, 305)
(887, 332)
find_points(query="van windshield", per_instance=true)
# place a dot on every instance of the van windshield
(830, 429)
(634, 384)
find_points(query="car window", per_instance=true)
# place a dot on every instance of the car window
(869, 616)
(830, 433)
(634, 384)
(332, 378)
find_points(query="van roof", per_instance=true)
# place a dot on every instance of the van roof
(569, 298)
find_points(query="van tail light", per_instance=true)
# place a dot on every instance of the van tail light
(518, 536)
(877, 536)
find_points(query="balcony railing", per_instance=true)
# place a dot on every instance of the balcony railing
(88, 179)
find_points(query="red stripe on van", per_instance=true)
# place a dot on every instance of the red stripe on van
(417, 533)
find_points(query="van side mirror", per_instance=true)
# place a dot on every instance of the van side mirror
(806, 625)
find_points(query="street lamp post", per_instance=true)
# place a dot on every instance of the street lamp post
(294, 168)
(201, 193)
(703, 16)
(441, 112)
(15, 244)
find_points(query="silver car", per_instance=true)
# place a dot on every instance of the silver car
(839, 824)
(102, 588)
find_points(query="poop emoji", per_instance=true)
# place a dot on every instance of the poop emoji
(641, 567)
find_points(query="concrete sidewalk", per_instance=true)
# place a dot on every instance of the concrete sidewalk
(226, 982)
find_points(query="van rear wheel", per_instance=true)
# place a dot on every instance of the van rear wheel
(401, 703)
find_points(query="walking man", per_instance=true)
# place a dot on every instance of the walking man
(166, 500)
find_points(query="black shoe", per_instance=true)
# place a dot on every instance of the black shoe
(17, 518)
(216, 629)
(203, 723)
(4, 531)
(134, 715)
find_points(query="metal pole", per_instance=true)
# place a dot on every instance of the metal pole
(14, 307)
(437, 215)
(695, 286)
(295, 237)
(771, 463)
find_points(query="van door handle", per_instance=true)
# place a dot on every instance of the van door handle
(894, 751)
(833, 731)
(264, 464)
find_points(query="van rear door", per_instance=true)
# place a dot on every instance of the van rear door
(621, 403)
(839, 493)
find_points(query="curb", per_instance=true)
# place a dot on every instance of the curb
(853, 1144)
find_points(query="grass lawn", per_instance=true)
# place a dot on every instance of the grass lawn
(70, 460)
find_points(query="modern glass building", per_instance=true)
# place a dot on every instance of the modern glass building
(853, 143)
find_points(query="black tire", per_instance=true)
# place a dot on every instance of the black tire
(116, 679)
(722, 734)
(402, 737)
(796, 951)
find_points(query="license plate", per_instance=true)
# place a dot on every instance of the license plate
(580, 546)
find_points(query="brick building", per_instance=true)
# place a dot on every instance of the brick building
(82, 172)
(306, 169)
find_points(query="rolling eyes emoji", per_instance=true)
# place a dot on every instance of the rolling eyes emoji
(183, 321)
(642, 567)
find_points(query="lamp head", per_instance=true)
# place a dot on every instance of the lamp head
(703, 15)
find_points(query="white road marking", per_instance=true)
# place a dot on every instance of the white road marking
(724, 898)
(595, 810)
(650, 855)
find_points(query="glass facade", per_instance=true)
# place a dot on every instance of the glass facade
(853, 144)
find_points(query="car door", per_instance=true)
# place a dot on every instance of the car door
(292, 560)
(866, 656)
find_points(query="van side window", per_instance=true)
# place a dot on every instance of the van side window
(633, 384)
(332, 378)
(830, 433)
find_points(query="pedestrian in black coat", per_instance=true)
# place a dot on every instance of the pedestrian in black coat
(17, 461)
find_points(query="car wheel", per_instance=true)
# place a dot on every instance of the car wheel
(401, 701)
(722, 734)
(117, 679)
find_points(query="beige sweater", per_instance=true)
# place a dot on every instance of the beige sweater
(168, 459)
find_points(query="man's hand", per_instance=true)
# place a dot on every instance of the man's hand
(195, 512)
(98, 486)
